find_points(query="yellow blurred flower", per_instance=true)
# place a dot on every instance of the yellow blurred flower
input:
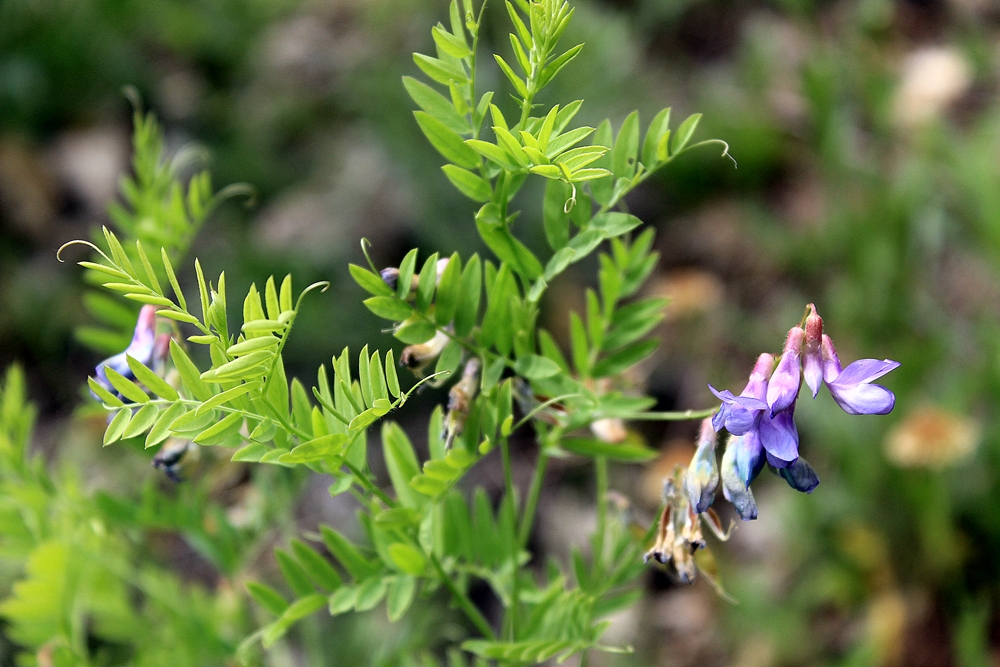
(930, 437)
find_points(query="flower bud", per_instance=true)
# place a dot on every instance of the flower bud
(800, 476)
(702, 478)
(784, 385)
(812, 356)
(390, 276)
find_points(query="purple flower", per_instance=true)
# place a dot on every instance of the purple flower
(140, 349)
(762, 418)
(741, 463)
(783, 388)
(851, 387)
(812, 355)
(739, 414)
(779, 438)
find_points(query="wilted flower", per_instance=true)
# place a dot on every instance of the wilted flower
(611, 430)
(741, 463)
(141, 349)
(176, 457)
(678, 534)
(418, 357)
(460, 399)
(702, 478)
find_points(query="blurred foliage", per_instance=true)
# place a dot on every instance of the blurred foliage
(856, 189)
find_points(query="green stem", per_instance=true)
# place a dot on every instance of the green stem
(369, 486)
(463, 601)
(503, 196)
(601, 470)
(510, 615)
(532, 504)
(670, 416)
(508, 476)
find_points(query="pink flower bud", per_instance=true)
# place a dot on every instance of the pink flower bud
(812, 356)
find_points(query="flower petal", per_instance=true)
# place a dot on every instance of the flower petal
(776, 463)
(739, 421)
(741, 463)
(783, 387)
(725, 395)
(779, 436)
(800, 476)
(865, 370)
(863, 399)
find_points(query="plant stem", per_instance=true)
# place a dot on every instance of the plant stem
(510, 614)
(463, 601)
(601, 470)
(532, 503)
(670, 416)
(369, 486)
(508, 475)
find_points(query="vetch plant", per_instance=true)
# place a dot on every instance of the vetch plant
(471, 323)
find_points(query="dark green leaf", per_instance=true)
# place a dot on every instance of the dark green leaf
(446, 141)
(469, 184)
(655, 132)
(416, 332)
(439, 70)
(535, 367)
(267, 597)
(389, 307)
(369, 281)
(627, 356)
(633, 452)
(317, 567)
(407, 558)
(427, 283)
(401, 593)
(625, 153)
(435, 104)
(471, 293)
(684, 133)
(401, 462)
(296, 577)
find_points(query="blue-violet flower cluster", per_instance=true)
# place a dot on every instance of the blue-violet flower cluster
(761, 419)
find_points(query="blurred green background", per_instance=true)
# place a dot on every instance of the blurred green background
(868, 139)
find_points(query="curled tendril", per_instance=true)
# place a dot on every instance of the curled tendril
(725, 149)
(237, 190)
(79, 242)
(365, 245)
(571, 202)
(322, 286)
